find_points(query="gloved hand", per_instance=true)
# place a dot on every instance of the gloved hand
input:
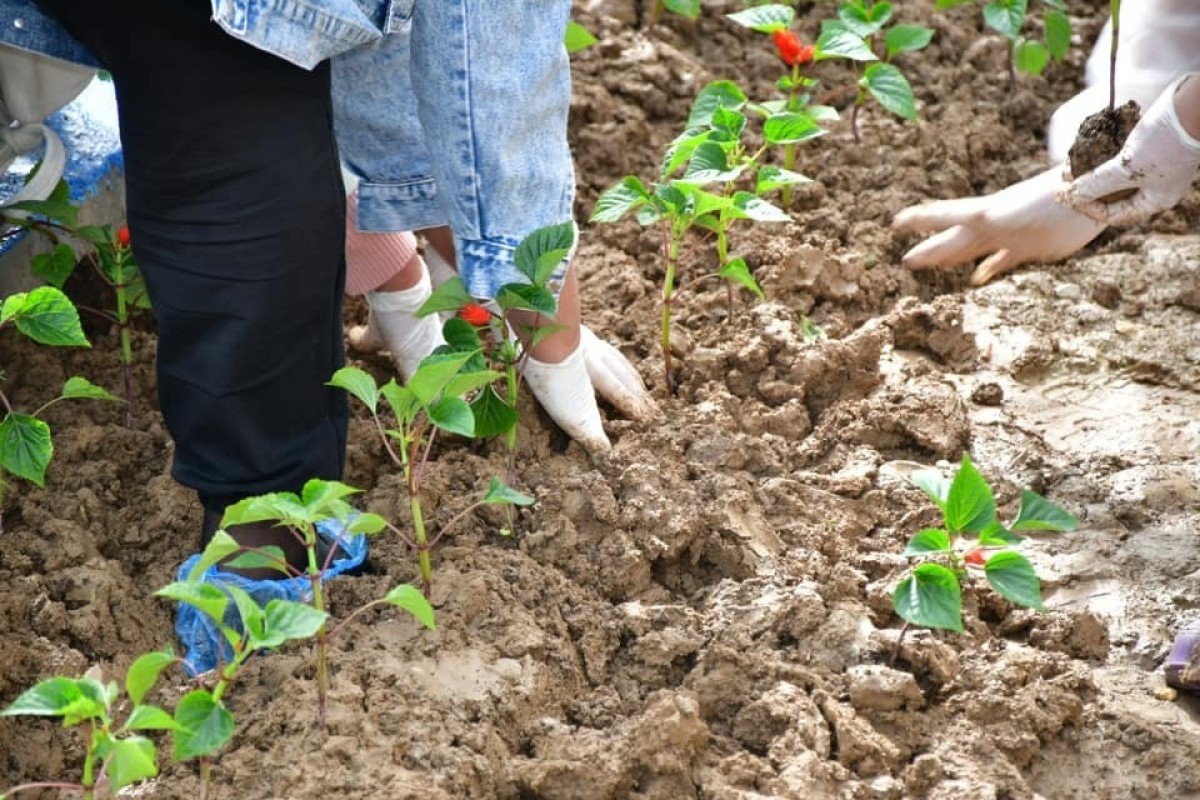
(1014, 226)
(1157, 164)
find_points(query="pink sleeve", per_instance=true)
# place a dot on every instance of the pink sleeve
(373, 258)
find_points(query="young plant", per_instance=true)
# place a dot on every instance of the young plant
(577, 37)
(116, 755)
(537, 257)
(434, 399)
(1027, 55)
(688, 9)
(48, 317)
(713, 158)
(858, 35)
(972, 540)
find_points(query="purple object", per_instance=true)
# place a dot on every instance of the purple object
(1182, 666)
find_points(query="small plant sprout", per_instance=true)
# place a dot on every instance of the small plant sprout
(713, 159)
(433, 400)
(1026, 54)
(114, 755)
(858, 35)
(48, 317)
(577, 37)
(971, 540)
(268, 628)
(689, 9)
(536, 258)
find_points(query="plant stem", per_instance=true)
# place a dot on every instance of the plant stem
(859, 101)
(668, 292)
(1114, 12)
(723, 259)
(418, 517)
(89, 764)
(205, 777)
(314, 576)
(510, 438)
(789, 149)
(899, 641)
(126, 348)
(1012, 67)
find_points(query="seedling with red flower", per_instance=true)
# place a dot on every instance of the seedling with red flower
(972, 540)
(857, 35)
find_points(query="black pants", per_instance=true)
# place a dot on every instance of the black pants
(237, 216)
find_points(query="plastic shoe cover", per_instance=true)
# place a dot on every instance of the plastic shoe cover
(204, 645)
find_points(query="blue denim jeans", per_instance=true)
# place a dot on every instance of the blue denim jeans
(449, 111)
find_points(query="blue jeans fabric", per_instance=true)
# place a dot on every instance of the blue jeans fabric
(448, 111)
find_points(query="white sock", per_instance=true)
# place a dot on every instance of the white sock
(565, 392)
(394, 325)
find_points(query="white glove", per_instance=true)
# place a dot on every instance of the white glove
(614, 378)
(1158, 163)
(1020, 224)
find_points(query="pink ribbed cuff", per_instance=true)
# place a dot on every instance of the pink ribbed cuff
(373, 258)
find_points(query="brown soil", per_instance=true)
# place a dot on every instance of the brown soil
(704, 612)
(1101, 136)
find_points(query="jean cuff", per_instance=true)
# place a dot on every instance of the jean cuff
(411, 205)
(486, 265)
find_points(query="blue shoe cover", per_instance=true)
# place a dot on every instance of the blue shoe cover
(203, 644)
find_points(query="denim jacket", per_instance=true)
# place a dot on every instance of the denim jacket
(478, 142)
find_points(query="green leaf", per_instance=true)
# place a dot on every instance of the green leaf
(461, 336)
(679, 151)
(890, 89)
(791, 127)
(433, 374)
(453, 415)
(465, 383)
(493, 416)
(205, 726)
(930, 597)
(996, 535)
(403, 403)
(684, 8)
(56, 208)
(47, 316)
(251, 613)
(269, 557)
(500, 493)
(358, 383)
(729, 124)
(1013, 578)
(718, 94)
(737, 271)
(1039, 514)
(52, 697)
(131, 760)
(765, 19)
(577, 37)
(204, 597)
(319, 495)
(907, 39)
(770, 178)
(527, 297)
(448, 296)
(366, 524)
(934, 484)
(1006, 17)
(144, 672)
(1058, 34)
(1030, 57)
(287, 620)
(970, 505)
(56, 266)
(616, 202)
(78, 388)
(411, 600)
(150, 718)
(930, 540)
(841, 43)
(749, 206)
(283, 507)
(863, 21)
(25, 447)
(540, 253)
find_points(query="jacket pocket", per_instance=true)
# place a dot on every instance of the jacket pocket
(399, 15)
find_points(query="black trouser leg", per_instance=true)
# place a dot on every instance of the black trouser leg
(237, 215)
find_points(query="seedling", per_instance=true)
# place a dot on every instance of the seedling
(116, 755)
(858, 35)
(577, 37)
(972, 540)
(1027, 55)
(537, 257)
(433, 400)
(1102, 135)
(710, 153)
(48, 317)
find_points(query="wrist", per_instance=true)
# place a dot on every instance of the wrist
(1186, 107)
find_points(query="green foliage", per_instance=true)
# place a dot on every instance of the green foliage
(931, 594)
(577, 37)
(1030, 52)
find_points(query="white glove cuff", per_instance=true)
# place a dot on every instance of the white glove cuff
(1185, 138)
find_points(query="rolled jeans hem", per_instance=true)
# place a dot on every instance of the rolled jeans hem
(408, 206)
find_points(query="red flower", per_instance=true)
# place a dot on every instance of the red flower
(791, 49)
(123, 236)
(975, 557)
(475, 314)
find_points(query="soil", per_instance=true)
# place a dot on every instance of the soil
(1101, 136)
(704, 612)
